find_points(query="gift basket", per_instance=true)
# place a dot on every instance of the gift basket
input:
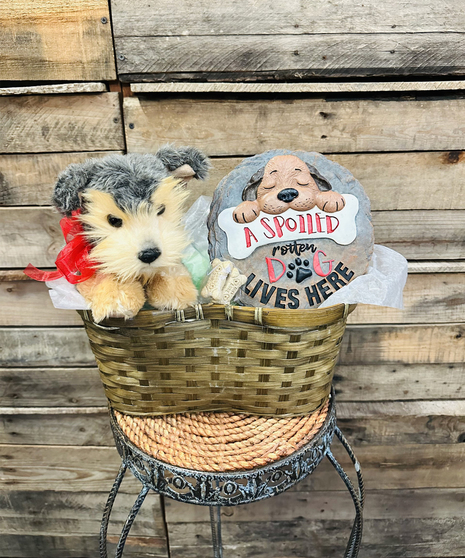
(291, 243)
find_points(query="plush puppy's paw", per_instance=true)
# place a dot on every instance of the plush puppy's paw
(110, 298)
(330, 201)
(171, 290)
(246, 212)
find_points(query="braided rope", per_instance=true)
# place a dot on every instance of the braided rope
(220, 441)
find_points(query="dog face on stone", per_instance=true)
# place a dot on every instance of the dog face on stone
(286, 182)
(131, 208)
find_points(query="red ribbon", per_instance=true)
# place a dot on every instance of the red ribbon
(73, 260)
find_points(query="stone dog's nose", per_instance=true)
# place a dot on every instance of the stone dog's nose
(287, 195)
(150, 255)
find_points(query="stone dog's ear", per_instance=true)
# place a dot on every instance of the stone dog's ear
(250, 191)
(321, 182)
(184, 162)
(70, 185)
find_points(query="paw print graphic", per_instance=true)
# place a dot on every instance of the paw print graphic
(301, 270)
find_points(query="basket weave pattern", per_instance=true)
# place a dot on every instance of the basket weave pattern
(270, 362)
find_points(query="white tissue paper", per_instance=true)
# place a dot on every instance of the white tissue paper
(65, 296)
(382, 284)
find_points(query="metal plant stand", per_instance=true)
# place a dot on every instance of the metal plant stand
(232, 488)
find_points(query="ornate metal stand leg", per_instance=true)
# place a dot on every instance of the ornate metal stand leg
(108, 508)
(130, 520)
(215, 520)
(358, 496)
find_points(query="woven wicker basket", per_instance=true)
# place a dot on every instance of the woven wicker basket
(237, 359)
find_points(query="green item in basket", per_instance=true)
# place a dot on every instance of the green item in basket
(197, 263)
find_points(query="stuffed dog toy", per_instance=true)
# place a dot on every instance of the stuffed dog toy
(128, 209)
(286, 182)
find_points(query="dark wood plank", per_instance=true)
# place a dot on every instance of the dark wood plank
(92, 469)
(362, 345)
(49, 123)
(274, 57)
(30, 179)
(62, 545)
(56, 427)
(57, 40)
(418, 235)
(428, 298)
(247, 127)
(240, 17)
(81, 387)
(395, 538)
(75, 513)
(391, 180)
(374, 423)
(51, 387)
(399, 381)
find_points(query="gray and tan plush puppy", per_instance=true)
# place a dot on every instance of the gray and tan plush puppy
(130, 209)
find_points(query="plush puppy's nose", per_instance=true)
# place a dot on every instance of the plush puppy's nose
(150, 255)
(287, 195)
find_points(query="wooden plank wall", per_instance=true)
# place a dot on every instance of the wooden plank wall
(400, 378)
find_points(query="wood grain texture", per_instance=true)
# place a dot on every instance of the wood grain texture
(391, 180)
(26, 303)
(78, 469)
(370, 423)
(91, 87)
(81, 387)
(362, 345)
(255, 57)
(247, 127)
(77, 513)
(396, 538)
(428, 298)
(417, 235)
(241, 17)
(399, 381)
(62, 545)
(49, 123)
(30, 179)
(51, 387)
(297, 87)
(55, 40)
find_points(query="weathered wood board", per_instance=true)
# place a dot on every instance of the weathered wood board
(247, 127)
(288, 56)
(375, 423)
(81, 387)
(428, 298)
(30, 179)
(396, 538)
(51, 387)
(50, 123)
(391, 180)
(362, 344)
(78, 513)
(88, 469)
(57, 40)
(242, 17)
(417, 235)
(55, 88)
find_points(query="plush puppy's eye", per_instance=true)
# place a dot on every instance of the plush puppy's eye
(115, 221)
(161, 210)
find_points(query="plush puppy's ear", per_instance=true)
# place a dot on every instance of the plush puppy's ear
(184, 162)
(250, 191)
(70, 184)
(321, 182)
